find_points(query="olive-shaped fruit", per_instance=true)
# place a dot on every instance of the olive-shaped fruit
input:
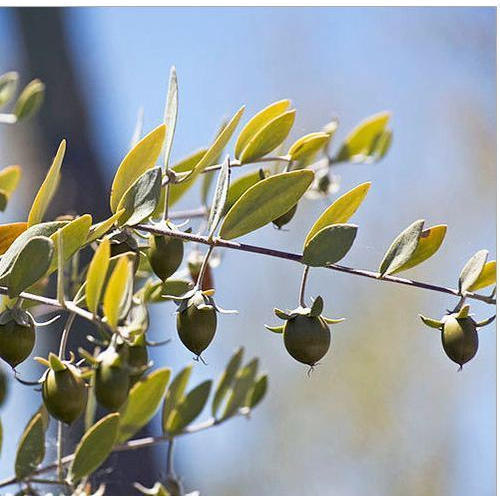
(459, 338)
(3, 387)
(307, 338)
(17, 336)
(284, 219)
(64, 393)
(111, 379)
(128, 245)
(165, 255)
(197, 323)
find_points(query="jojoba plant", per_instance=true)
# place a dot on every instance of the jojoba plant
(143, 255)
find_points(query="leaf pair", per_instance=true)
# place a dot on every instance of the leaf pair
(477, 273)
(412, 247)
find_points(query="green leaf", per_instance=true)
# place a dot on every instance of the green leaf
(142, 403)
(341, 210)
(31, 449)
(381, 145)
(94, 447)
(138, 160)
(43, 229)
(428, 244)
(242, 385)
(220, 197)
(100, 229)
(176, 191)
(362, 140)
(259, 389)
(30, 100)
(264, 202)
(8, 86)
(175, 394)
(9, 180)
(116, 290)
(96, 275)
(487, 277)
(472, 271)
(9, 233)
(226, 380)
(402, 248)
(329, 245)
(74, 236)
(141, 198)
(256, 123)
(306, 148)
(269, 137)
(48, 188)
(30, 265)
(170, 116)
(189, 408)
(241, 185)
(154, 292)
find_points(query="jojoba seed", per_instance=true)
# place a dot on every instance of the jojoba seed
(111, 380)
(165, 255)
(459, 339)
(16, 340)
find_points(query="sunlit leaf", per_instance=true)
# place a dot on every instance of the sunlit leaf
(9, 232)
(264, 202)
(341, 210)
(226, 380)
(307, 147)
(175, 394)
(143, 401)
(141, 198)
(138, 160)
(472, 271)
(96, 275)
(174, 287)
(94, 447)
(220, 197)
(170, 116)
(9, 180)
(244, 382)
(242, 184)
(116, 290)
(362, 140)
(269, 137)
(30, 265)
(8, 86)
(31, 449)
(329, 245)
(100, 229)
(487, 277)
(402, 248)
(30, 100)
(48, 188)
(258, 121)
(189, 408)
(428, 244)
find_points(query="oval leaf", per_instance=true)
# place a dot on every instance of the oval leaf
(487, 277)
(329, 245)
(226, 380)
(155, 292)
(175, 394)
(30, 265)
(100, 229)
(142, 403)
(472, 270)
(220, 197)
(341, 210)
(428, 244)
(257, 122)
(141, 198)
(189, 408)
(264, 202)
(138, 160)
(402, 248)
(258, 392)
(96, 275)
(361, 141)
(116, 290)
(30, 100)
(306, 148)
(94, 447)
(9, 180)
(269, 137)
(48, 188)
(170, 115)
(241, 185)
(8, 86)
(31, 449)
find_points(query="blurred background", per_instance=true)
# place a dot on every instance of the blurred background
(386, 412)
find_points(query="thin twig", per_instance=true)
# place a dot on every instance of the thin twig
(65, 335)
(234, 245)
(303, 286)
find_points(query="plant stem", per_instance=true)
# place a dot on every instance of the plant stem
(203, 268)
(170, 459)
(65, 335)
(303, 286)
(234, 245)
(59, 451)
